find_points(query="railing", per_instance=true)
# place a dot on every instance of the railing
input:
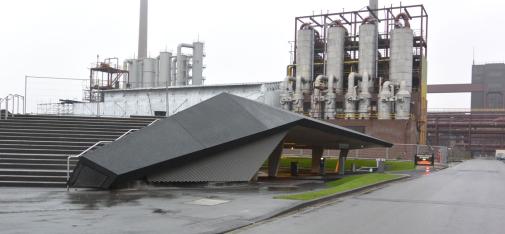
(14, 98)
(154, 121)
(90, 148)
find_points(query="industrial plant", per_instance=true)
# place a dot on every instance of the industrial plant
(363, 70)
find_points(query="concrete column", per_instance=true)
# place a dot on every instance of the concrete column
(317, 153)
(341, 161)
(274, 161)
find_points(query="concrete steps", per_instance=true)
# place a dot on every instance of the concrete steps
(34, 148)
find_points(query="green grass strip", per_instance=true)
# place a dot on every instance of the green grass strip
(342, 185)
(305, 163)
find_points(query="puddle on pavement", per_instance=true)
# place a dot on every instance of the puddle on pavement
(98, 199)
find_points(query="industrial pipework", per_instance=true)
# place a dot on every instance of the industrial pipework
(367, 47)
(168, 70)
(364, 97)
(316, 110)
(351, 97)
(286, 96)
(386, 100)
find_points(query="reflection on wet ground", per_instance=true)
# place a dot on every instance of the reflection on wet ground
(96, 199)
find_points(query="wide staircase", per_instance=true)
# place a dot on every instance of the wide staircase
(34, 148)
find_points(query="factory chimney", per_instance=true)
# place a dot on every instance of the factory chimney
(374, 4)
(142, 52)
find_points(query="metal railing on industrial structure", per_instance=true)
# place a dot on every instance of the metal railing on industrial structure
(14, 99)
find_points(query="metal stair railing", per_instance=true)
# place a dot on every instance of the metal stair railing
(90, 148)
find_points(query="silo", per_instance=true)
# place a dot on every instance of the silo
(335, 57)
(368, 51)
(401, 57)
(304, 58)
(164, 69)
(149, 72)
(197, 68)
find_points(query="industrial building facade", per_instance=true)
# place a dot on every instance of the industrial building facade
(480, 130)
(491, 77)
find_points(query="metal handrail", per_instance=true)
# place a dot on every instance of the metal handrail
(154, 121)
(90, 148)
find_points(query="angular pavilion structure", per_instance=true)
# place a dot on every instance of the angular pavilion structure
(225, 138)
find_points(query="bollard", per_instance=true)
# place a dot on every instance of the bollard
(321, 166)
(294, 168)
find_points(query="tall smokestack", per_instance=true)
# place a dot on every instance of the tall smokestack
(142, 53)
(374, 4)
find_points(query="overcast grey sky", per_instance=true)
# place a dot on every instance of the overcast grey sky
(246, 41)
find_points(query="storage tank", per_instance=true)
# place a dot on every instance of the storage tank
(305, 57)
(368, 50)
(197, 66)
(182, 70)
(133, 73)
(149, 72)
(402, 39)
(335, 52)
(164, 69)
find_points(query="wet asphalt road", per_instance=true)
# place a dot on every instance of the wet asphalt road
(467, 198)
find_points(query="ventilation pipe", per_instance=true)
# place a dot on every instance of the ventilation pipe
(330, 108)
(386, 99)
(298, 96)
(317, 99)
(351, 96)
(405, 19)
(403, 102)
(364, 97)
(286, 97)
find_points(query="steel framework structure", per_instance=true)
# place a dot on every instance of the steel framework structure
(478, 131)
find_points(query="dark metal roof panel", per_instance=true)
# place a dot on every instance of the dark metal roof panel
(235, 164)
(164, 140)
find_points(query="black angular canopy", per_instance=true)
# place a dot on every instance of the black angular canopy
(225, 138)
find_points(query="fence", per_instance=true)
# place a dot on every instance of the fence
(397, 152)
